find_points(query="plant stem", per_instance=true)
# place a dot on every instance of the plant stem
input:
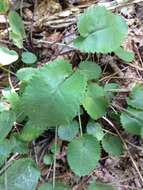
(7, 70)
(54, 166)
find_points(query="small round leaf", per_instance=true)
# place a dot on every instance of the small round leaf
(112, 145)
(29, 58)
(55, 148)
(90, 69)
(132, 121)
(48, 159)
(83, 154)
(68, 132)
(136, 97)
(96, 130)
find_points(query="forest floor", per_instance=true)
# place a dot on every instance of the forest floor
(50, 29)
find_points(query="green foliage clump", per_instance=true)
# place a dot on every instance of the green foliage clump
(53, 95)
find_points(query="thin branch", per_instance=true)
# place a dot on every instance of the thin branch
(54, 166)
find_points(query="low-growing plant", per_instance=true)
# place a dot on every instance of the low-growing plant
(52, 97)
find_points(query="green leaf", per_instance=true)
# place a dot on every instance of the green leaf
(22, 175)
(55, 148)
(125, 55)
(7, 119)
(136, 97)
(99, 186)
(112, 145)
(25, 74)
(15, 103)
(83, 154)
(90, 69)
(31, 131)
(3, 106)
(58, 186)
(12, 98)
(16, 23)
(17, 39)
(100, 30)
(95, 101)
(68, 132)
(7, 56)
(54, 94)
(48, 159)
(132, 121)
(95, 129)
(46, 186)
(29, 58)
(18, 146)
(17, 32)
(5, 150)
(4, 6)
